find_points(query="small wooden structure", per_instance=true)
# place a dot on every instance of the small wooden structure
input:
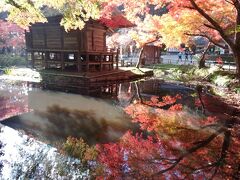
(49, 46)
(151, 55)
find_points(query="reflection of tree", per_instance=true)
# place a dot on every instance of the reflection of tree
(64, 122)
(13, 100)
(181, 146)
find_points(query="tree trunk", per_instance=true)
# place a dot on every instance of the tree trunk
(202, 59)
(236, 55)
(139, 62)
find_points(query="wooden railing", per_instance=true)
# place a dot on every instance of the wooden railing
(83, 61)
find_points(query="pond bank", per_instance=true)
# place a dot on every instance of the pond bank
(20, 74)
(32, 75)
(219, 82)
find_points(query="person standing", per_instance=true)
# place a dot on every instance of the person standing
(186, 55)
(191, 57)
(179, 57)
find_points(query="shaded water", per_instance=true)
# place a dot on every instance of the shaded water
(195, 135)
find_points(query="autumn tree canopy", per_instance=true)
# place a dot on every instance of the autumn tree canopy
(75, 13)
(215, 20)
(11, 35)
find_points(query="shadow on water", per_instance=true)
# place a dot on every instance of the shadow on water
(57, 115)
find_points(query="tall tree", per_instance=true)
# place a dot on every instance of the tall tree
(11, 35)
(214, 19)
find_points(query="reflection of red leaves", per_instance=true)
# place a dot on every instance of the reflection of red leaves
(176, 107)
(148, 113)
(154, 99)
(129, 153)
(209, 120)
(171, 100)
(111, 156)
(166, 100)
(198, 103)
(176, 136)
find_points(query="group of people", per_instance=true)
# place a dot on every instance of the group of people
(186, 55)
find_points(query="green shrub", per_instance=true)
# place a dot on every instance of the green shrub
(220, 80)
(7, 60)
(79, 149)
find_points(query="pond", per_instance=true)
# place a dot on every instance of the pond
(149, 128)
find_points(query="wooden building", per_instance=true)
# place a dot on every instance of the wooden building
(151, 55)
(49, 46)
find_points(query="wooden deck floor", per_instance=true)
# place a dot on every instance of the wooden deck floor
(128, 71)
(73, 81)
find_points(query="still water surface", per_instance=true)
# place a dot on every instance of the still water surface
(193, 134)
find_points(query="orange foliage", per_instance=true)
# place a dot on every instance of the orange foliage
(182, 147)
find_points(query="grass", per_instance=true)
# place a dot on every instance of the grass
(187, 73)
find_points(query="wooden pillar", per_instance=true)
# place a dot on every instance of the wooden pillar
(79, 63)
(87, 62)
(44, 59)
(26, 57)
(33, 59)
(102, 57)
(62, 61)
(111, 58)
(117, 90)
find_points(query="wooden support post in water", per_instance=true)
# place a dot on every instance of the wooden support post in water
(111, 57)
(33, 59)
(62, 61)
(46, 60)
(117, 58)
(27, 60)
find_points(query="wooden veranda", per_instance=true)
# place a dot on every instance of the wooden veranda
(69, 60)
